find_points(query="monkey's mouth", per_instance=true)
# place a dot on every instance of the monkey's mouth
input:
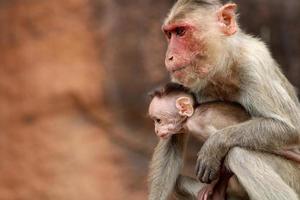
(178, 69)
(165, 136)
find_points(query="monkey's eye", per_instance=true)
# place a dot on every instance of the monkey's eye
(157, 121)
(180, 31)
(168, 34)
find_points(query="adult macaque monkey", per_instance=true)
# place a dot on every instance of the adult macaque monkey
(209, 54)
(176, 114)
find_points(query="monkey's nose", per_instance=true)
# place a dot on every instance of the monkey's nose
(171, 58)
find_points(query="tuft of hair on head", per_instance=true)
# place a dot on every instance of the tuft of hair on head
(171, 88)
(167, 89)
(183, 7)
(186, 6)
(203, 2)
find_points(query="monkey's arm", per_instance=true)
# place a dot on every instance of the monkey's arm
(272, 128)
(275, 122)
(166, 164)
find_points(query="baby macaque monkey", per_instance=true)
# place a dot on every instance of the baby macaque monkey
(175, 112)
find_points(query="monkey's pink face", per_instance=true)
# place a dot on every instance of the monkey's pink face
(167, 120)
(186, 58)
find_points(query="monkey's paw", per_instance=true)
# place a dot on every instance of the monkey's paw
(210, 158)
(207, 168)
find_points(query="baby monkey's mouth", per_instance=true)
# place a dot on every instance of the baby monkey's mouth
(165, 136)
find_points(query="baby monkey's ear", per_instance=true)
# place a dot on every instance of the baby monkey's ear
(185, 106)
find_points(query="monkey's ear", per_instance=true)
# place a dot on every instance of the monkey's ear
(227, 19)
(185, 106)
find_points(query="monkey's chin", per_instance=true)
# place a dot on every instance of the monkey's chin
(194, 83)
(185, 80)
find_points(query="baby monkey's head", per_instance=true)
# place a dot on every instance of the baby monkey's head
(170, 107)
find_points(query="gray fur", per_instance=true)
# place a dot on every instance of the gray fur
(256, 173)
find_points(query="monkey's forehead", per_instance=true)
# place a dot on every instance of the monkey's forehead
(184, 12)
(162, 105)
(159, 102)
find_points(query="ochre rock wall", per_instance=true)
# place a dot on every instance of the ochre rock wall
(48, 57)
(50, 77)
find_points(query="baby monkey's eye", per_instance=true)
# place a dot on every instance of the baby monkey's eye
(157, 121)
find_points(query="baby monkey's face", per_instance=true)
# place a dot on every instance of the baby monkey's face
(170, 113)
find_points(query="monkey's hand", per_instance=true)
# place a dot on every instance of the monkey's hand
(210, 158)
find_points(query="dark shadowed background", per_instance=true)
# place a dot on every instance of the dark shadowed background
(74, 77)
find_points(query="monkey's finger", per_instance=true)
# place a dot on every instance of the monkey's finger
(197, 168)
(206, 175)
(201, 171)
(213, 175)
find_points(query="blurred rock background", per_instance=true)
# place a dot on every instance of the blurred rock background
(74, 77)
